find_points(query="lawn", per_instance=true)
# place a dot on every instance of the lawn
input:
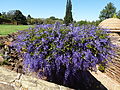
(8, 29)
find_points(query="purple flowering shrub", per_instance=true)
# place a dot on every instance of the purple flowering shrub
(56, 51)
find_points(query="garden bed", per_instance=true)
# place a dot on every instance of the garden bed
(12, 60)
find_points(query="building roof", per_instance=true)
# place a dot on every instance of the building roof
(111, 23)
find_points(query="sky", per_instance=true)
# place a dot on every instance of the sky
(81, 9)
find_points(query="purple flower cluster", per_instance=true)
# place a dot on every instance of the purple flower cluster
(60, 51)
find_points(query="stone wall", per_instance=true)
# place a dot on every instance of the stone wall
(113, 69)
(10, 80)
(8, 54)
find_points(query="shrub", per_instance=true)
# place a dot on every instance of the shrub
(59, 52)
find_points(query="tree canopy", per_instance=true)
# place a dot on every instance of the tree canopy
(107, 12)
(118, 14)
(19, 17)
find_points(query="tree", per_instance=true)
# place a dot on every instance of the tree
(108, 11)
(4, 16)
(118, 14)
(19, 17)
(11, 14)
(68, 17)
(49, 21)
(114, 15)
(29, 19)
(53, 18)
(83, 22)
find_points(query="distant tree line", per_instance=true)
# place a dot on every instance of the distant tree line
(13, 17)
(16, 17)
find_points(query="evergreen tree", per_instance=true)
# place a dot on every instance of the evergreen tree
(68, 17)
(29, 17)
(118, 14)
(114, 15)
(29, 20)
(108, 11)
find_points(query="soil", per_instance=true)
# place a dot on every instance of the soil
(12, 59)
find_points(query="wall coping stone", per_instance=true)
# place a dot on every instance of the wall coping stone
(10, 80)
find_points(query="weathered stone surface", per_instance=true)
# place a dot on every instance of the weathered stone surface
(7, 75)
(113, 34)
(6, 87)
(10, 80)
(115, 39)
(1, 59)
(34, 84)
(108, 82)
(17, 81)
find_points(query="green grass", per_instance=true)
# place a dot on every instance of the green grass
(8, 29)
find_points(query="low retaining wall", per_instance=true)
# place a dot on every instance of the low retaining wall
(10, 80)
(113, 69)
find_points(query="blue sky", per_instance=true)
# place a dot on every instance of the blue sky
(82, 9)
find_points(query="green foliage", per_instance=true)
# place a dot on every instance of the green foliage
(29, 17)
(4, 15)
(49, 21)
(5, 62)
(4, 21)
(19, 17)
(36, 21)
(1, 44)
(96, 23)
(29, 20)
(53, 18)
(118, 14)
(68, 17)
(83, 22)
(107, 12)
(101, 68)
(80, 23)
(114, 15)
(10, 14)
(14, 17)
